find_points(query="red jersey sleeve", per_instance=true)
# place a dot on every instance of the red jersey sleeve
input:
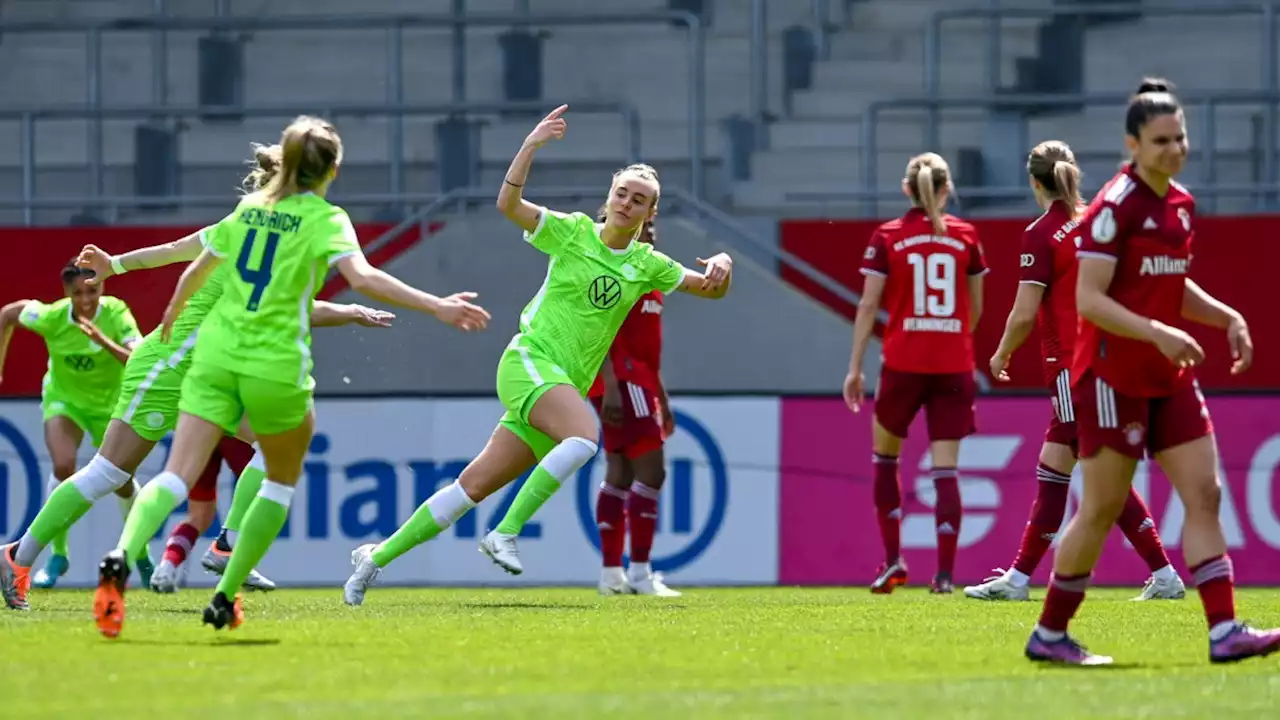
(875, 260)
(1106, 222)
(1037, 257)
(977, 260)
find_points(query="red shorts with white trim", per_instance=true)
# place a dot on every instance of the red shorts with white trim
(1062, 426)
(237, 454)
(1134, 426)
(947, 399)
(639, 432)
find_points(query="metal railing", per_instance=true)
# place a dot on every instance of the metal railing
(29, 117)
(1204, 137)
(933, 45)
(394, 25)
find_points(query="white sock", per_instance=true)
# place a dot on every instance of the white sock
(174, 484)
(1165, 574)
(100, 478)
(50, 484)
(1049, 635)
(639, 570)
(1221, 630)
(230, 537)
(278, 493)
(126, 503)
(448, 504)
(1018, 579)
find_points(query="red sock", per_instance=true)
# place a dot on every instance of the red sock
(1045, 519)
(1216, 584)
(946, 516)
(888, 498)
(1063, 599)
(180, 542)
(1137, 524)
(611, 521)
(642, 516)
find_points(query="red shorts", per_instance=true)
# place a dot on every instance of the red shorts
(1134, 425)
(639, 432)
(1062, 426)
(947, 399)
(237, 453)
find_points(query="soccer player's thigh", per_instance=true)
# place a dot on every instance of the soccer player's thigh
(1111, 429)
(283, 419)
(899, 396)
(62, 436)
(1061, 445)
(237, 454)
(1181, 441)
(538, 394)
(206, 488)
(949, 415)
(642, 436)
(210, 394)
(513, 448)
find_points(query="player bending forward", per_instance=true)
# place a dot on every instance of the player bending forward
(1047, 298)
(927, 267)
(636, 417)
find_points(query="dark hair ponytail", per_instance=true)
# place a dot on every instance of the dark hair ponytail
(1153, 99)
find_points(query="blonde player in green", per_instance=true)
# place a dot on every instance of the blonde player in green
(89, 337)
(253, 352)
(595, 274)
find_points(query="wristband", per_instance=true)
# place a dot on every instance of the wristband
(117, 267)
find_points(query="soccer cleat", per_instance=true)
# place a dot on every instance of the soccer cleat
(1064, 650)
(613, 581)
(1163, 589)
(998, 587)
(942, 584)
(1242, 643)
(108, 599)
(15, 580)
(889, 576)
(364, 576)
(651, 584)
(146, 568)
(215, 561)
(165, 578)
(48, 576)
(224, 613)
(502, 550)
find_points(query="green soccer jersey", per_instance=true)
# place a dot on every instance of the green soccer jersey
(275, 261)
(81, 371)
(588, 291)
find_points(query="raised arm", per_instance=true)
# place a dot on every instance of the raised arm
(511, 202)
(193, 278)
(8, 320)
(714, 283)
(104, 265)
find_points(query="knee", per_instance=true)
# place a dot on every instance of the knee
(1100, 513)
(1205, 501)
(653, 476)
(64, 468)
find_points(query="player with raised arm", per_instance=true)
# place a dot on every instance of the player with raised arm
(595, 275)
(926, 268)
(89, 337)
(1047, 299)
(253, 352)
(636, 420)
(1135, 389)
(147, 408)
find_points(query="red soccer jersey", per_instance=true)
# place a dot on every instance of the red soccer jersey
(636, 353)
(1049, 260)
(926, 291)
(1148, 237)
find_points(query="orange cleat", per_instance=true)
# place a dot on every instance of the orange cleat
(108, 599)
(15, 580)
(889, 576)
(224, 613)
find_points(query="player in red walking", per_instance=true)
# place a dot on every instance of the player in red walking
(636, 419)
(928, 267)
(1134, 388)
(1047, 298)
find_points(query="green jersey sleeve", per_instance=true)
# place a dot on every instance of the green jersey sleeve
(126, 326)
(41, 318)
(664, 273)
(555, 230)
(337, 239)
(219, 238)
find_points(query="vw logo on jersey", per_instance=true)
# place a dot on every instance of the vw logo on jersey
(695, 496)
(82, 363)
(605, 292)
(21, 486)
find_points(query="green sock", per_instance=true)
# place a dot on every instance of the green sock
(63, 508)
(262, 523)
(151, 507)
(247, 486)
(58, 541)
(540, 486)
(419, 528)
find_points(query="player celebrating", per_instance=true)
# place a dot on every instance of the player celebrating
(915, 263)
(594, 277)
(89, 337)
(253, 352)
(631, 400)
(1135, 390)
(1047, 298)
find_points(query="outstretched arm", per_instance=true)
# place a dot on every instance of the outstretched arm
(193, 278)
(327, 314)
(104, 265)
(8, 320)
(370, 281)
(511, 202)
(714, 283)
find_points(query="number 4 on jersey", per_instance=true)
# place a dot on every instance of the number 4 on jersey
(933, 284)
(260, 276)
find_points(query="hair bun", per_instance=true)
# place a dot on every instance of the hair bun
(1155, 85)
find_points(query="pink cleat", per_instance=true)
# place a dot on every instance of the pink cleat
(1064, 650)
(1242, 643)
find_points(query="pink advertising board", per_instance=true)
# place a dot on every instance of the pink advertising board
(828, 529)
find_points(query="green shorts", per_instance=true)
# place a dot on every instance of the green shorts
(93, 422)
(223, 397)
(523, 377)
(151, 387)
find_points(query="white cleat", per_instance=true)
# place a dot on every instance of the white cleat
(502, 550)
(364, 576)
(215, 561)
(613, 581)
(1000, 587)
(1156, 589)
(644, 581)
(165, 578)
